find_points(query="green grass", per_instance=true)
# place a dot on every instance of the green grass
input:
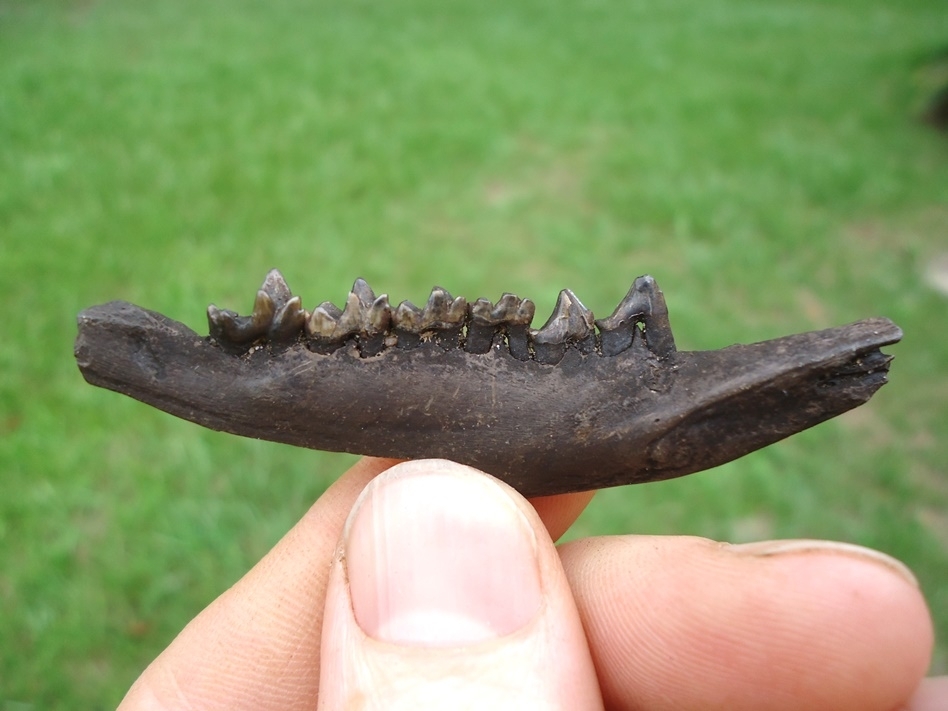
(762, 160)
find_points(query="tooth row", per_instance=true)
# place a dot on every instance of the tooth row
(450, 322)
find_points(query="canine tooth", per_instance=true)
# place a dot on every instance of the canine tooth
(288, 322)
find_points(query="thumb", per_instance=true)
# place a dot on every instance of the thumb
(447, 593)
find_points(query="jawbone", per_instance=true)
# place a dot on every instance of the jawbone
(579, 404)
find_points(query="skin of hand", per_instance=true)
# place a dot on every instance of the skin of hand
(428, 584)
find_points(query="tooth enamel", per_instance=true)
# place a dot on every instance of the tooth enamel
(443, 311)
(510, 315)
(350, 323)
(407, 317)
(644, 303)
(321, 323)
(220, 322)
(276, 287)
(378, 317)
(482, 327)
(481, 312)
(361, 289)
(263, 310)
(288, 322)
(407, 324)
(570, 322)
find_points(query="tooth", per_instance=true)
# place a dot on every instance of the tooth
(288, 322)
(644, 303)
(321, 328)
(407, 324)
(276, 288)
(378, 317)
(444, 315)
(377, 320)
(482, 328)
(263, 310)
(361, 289)
(221, 323)
(230, 327)
(570, 322)
(510, 315)
(350, 323)
(518, 319)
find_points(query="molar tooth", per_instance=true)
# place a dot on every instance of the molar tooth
(510, 315)
(288, 322)
(644, 303)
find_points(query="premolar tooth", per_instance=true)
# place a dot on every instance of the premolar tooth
(221, 323)
(361, 289)
(288, 322)
(276, 288)
(264, 309)
(227, 327)
(570, 322)
(350, 323)
(407, 323)
(377, 320)
(245, 329)
(444, 315)
(321, 327)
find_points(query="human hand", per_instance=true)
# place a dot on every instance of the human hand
(444, 590)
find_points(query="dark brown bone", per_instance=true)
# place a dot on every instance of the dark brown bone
(590, 421)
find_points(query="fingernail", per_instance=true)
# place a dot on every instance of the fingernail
(771, 548)
(437, 555)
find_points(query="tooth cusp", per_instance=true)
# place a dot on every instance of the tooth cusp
(570, 323)
(407, 324)
(288, 322)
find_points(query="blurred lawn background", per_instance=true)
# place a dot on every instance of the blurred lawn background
(764, 161)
